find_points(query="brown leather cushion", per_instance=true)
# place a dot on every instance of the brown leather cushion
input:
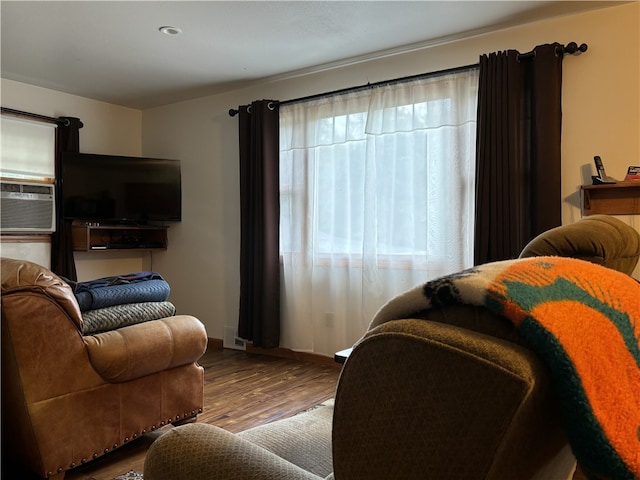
(146, 348)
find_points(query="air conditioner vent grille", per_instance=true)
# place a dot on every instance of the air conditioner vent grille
(25, 207)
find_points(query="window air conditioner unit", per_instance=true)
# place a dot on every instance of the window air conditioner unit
(27, 207)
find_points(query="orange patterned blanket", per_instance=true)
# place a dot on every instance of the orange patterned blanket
(583, 320)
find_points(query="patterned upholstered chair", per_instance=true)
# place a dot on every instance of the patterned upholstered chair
(452, 393)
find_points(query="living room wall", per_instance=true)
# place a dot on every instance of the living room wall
(601, 116)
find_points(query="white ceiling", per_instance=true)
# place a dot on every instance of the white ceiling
(113, 51)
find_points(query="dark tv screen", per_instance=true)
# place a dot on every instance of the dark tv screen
(120, 189)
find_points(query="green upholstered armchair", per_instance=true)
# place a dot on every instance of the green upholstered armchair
(452, 394)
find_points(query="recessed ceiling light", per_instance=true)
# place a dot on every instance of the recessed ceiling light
(169, 30)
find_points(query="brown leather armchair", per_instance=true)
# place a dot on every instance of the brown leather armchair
(68, 398)
(453, 393)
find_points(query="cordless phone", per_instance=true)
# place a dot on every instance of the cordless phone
(602, 176)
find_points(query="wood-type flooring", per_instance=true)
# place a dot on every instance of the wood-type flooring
(241, 390)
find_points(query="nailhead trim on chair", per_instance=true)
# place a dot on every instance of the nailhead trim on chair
(126, 439)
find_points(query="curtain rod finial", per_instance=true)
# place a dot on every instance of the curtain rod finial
(572, 48)
(233, 112)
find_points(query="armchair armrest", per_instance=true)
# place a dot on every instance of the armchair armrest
(422, 398)
(135, 351)
(203, 452)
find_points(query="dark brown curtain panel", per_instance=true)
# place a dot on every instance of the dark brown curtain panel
(259, 316)
(518, 190)
(67, 140)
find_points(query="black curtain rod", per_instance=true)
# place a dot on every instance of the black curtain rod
(571, 48)
(11, 111)
(383, 83)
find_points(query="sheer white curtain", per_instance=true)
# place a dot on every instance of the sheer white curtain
(377, 195)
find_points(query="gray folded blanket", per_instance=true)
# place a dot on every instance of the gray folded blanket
(110, 318)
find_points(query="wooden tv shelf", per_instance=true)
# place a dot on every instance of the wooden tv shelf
(94, 237)
(622, 198)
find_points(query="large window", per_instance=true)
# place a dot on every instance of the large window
(377, 190)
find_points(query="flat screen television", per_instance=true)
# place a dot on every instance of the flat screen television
(120, 190)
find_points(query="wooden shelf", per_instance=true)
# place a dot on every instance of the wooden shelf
(622, 198)
(100, 238)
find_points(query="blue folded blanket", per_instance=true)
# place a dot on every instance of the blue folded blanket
(134, 277)
(119, 290)
(149, 291)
